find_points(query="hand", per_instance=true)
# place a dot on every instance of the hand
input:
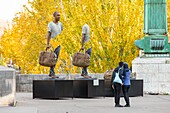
(113, 86)
(48, 46)
(82, 48)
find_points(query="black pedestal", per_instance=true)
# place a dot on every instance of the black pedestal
(136, 88)
(87, 88)
(52, 88)
(83, 88)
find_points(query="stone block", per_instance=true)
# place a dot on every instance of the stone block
(26, 88)
(151, 87)
(154, 72)
(26, 79)
(7, 86)
(164, 68)
(139, 60)
(145, 68)
(161, 77)
(167, 77)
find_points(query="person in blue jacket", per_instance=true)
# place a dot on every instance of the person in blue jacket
(126, 83)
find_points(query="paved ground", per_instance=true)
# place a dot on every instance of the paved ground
(146, 104)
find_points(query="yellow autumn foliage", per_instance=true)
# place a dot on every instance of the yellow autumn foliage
(168, 5)
(114, 25)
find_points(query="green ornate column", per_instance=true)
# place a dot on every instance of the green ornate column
(155, 41)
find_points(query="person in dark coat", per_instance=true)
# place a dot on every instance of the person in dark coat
(117, 85)
(126, 83)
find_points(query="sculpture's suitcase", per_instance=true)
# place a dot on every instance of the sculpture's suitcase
(81, 59)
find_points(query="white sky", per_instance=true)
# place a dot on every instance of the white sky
(8, 8)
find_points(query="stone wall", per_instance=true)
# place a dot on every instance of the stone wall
(24, 82)
(7, 86)
(155, 72)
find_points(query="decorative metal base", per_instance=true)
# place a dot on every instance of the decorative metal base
(155, 56)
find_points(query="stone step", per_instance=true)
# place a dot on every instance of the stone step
(18, 110)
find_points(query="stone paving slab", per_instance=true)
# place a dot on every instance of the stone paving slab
(18, 110)
(146, 104)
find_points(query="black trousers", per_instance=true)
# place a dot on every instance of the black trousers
(84, 69)
(117, 91)
(56, 51)
(126, 94)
